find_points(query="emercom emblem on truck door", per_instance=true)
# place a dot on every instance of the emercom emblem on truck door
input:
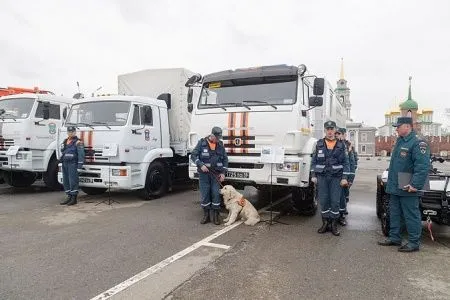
(147, 135)
(52, 128)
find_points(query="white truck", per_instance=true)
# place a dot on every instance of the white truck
(28, 129)
(138, 139)
(263, 107)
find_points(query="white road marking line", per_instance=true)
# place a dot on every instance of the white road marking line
(155, 268)
(221, 246)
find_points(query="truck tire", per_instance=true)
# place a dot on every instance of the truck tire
(304, 200)
(51, 176)
(385, 216)
(156, 181)
(19, 179)
(93, 191)
(379, 200)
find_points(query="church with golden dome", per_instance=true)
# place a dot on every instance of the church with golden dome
(422, 119)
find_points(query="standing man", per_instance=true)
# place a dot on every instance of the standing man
(410, 160)
(212, 162)
(330, 168)
(72, 158)
(341, 134)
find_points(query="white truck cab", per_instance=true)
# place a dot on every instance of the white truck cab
(28, 129)
(134, 142)
(262, 107)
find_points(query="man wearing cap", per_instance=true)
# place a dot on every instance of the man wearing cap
(341, 135)
(410, 158)
(72, 158)
(330, 168)
(212, 162)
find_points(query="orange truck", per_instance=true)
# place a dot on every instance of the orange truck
(18, 90)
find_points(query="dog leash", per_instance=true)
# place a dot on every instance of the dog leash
(215, 176)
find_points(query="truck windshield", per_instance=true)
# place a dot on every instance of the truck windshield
(279, 90)
(101, 113)
(16, 108)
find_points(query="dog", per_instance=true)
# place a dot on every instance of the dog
(238, 206)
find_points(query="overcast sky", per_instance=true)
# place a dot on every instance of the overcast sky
(54, 44)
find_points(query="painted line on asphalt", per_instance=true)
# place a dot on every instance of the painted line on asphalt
(221, 246)
(159, 266)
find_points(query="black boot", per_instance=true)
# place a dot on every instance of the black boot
(67, 200)
(342, 220)
(216, 217)
(73, 200)
(334, 227)
(324, 227)
(205, 218)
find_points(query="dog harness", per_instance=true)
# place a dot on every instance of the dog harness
(241, 202)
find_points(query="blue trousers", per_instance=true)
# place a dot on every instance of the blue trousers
(343, 200)
(329, 191)
(209, 191)
(70, 177)
(408, 207)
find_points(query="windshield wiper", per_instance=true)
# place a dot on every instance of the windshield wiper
(3, 114)
(102, 123)
(84, 124)
(262, 102)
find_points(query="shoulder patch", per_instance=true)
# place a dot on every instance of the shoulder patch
(423, 146)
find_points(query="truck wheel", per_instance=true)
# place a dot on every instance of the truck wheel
(156, 182)
(379, 200)
(19, 179)
(93, 191)
(385, 221)
(51, 176)
(304, 200)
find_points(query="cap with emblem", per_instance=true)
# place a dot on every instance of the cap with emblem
(403, 120)
(342, 130)
(71, 129)
(329, 124)
(217, 131)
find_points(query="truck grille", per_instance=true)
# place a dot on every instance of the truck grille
(433, 197)
(240, 145)
(6, 143)
(92, 155)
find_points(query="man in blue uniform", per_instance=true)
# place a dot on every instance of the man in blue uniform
(341, 135)
(410, 159)
(330, 168)
(212, 162)
(72, 158)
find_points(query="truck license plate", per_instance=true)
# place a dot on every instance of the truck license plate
(232, 174)
(85, 180)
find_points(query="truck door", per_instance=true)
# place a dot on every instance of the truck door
(45, 130)
(146, 131)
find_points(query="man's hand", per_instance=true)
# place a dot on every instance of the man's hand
(204, 169)
(410, 188)
(314, 180)
(344, 182)
(221, 177)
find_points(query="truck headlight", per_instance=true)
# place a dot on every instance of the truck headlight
(119, 172)
(447, 194)
(22, 156)
(288, 167)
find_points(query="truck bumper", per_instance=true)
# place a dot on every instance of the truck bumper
(100, 176)
(257, 174)
(22, 161)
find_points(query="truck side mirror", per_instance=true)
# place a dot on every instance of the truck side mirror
(315, 101)
(193, 79)
(65, 113)
(319, 86)
(167, 98)
(190, 107)
(190, 95)
(46, 110)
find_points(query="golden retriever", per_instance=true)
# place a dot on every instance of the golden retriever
(238, 206)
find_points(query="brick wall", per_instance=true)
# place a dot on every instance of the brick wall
(437, 144)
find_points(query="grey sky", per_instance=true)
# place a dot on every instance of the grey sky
(53, 44)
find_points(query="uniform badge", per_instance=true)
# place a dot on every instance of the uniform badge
(423, 147)
(403, 153)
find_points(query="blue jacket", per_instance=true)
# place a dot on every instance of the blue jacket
(410, 155)
(332, 162)
(217, 159)
(73, 151)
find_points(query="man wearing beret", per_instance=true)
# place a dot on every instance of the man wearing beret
(411, 159)
(212, 162)
(72, 157)
(330, 168)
